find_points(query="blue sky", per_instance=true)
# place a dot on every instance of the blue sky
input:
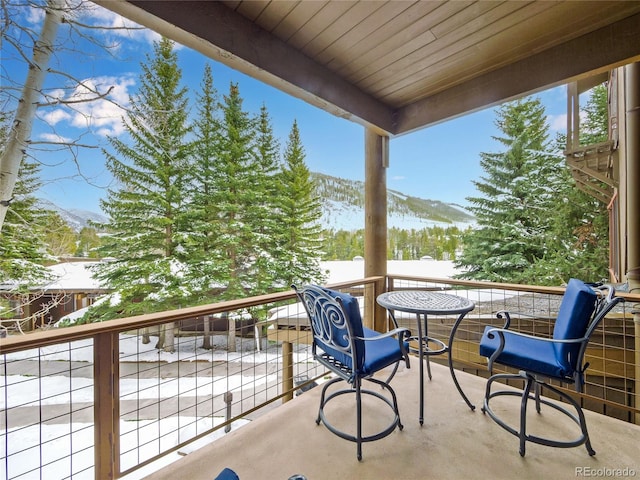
(436, 163)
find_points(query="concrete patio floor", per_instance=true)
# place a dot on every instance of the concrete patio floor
(454, 443)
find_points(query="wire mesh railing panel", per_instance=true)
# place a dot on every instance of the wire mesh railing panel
(611, 387)
(186, 382)
(46, 404)
(203, 378)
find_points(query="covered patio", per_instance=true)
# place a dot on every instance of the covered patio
(395, 67)
(454, 443)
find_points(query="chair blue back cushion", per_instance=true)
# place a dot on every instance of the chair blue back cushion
(341, 335)
(227, 474)
(546, 358)
(371, 355)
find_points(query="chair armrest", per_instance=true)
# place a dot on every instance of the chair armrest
(501, 331)
(390, 333)
(506, 314)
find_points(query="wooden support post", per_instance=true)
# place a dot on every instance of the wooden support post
(375, 211)
(287, 371)
(106, 405)
(632, 84)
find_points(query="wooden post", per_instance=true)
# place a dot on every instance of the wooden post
(375, 211)
(287, 371)
(632, 94)
(106, 405)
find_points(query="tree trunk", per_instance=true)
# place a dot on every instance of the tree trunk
(169, 337)
(19, 136)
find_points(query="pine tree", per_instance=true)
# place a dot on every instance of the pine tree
(234, 194)
(146, 210)
(23, 248)
(265, 212)
(578, 233)
(207, 267)
(513, 211)
(300, 214)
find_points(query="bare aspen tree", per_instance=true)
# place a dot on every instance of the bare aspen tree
(19, 135)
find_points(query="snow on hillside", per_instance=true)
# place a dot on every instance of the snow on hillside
(340, 216)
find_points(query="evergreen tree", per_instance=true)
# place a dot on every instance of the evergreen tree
(88, 242)
(145, 212)
(23, 248)
(579, 224)
(513, 211)
(61, 239)
(266, 209)
(204, 246)
(234, 194)
(300, 214)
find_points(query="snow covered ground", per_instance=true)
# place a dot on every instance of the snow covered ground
(25, 445)
(73, 443)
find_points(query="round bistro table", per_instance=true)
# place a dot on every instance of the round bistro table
(424, 303)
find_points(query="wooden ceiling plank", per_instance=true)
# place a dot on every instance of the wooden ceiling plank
(404, 38)
(561, 27)
(273, 14)
(606, 48)
(391, 28)
(468, 16)
(356, 14)
(252, 9)
(411, 68)
(298, 18)
(328, 14)
(351, 42)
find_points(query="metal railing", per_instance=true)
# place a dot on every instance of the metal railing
(64, 415)
(611, 383)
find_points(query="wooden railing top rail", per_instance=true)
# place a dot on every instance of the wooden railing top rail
(79, 332)
(68, 334)
(631, 297)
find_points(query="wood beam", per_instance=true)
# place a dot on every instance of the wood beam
(601, 50)
(218, 32)
(375, 211)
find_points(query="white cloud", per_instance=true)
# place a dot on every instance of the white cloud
(398, 177)
(557, 123)
(54, 138)
(56, 116)
(119, 27)
(105, 114)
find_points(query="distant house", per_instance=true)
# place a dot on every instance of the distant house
(73, 288)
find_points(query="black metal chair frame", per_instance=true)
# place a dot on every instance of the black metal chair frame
(604, 304)
(345, 372)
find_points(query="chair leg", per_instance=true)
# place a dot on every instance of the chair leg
(323, 395)
(526, 395)
(357, 389)
(358, 383)
(523, 412)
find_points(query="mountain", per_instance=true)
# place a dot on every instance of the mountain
(343, 207)
(75, 218)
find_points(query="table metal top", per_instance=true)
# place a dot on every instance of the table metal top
(419, 301)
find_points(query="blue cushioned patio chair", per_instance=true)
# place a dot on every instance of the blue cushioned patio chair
(353, 353)
(539, 360)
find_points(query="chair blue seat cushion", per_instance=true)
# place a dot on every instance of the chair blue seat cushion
(526, 353)
(380, 353)
(556, 360)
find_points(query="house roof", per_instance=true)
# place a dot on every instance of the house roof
(397, 66)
